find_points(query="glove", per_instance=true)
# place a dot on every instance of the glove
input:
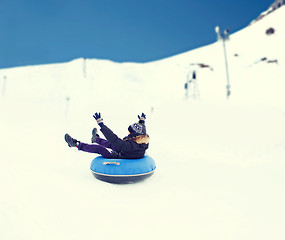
(142, 118)
(98, 118)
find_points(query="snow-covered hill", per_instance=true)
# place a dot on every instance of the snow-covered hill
(220, 162)
(274, 6)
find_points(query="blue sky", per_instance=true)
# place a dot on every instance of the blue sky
(39, 32)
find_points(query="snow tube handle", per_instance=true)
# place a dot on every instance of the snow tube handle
(111, 163)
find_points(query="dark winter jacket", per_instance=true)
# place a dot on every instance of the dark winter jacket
(130, 148)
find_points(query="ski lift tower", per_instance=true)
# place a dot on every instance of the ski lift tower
(225, 37)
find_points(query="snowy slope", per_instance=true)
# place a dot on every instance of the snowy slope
(220, 163)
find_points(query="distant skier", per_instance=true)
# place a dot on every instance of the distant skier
(131, 147)
(194, 75)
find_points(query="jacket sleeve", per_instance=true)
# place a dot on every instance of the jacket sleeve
(117, 143)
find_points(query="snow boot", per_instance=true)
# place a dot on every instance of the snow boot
(94, 135)
(71, 141)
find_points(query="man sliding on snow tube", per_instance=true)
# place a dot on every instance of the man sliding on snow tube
(131, 147)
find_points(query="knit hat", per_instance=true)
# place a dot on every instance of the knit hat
(138, 128)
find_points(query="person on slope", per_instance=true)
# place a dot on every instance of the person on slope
(132, 146)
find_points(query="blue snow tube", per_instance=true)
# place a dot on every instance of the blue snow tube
(122, 170)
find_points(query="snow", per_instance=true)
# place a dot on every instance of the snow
(220, 162)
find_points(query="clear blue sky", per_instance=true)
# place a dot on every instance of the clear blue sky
(38, 32)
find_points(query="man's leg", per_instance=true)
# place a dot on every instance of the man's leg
(94, 148)
(103, 142)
